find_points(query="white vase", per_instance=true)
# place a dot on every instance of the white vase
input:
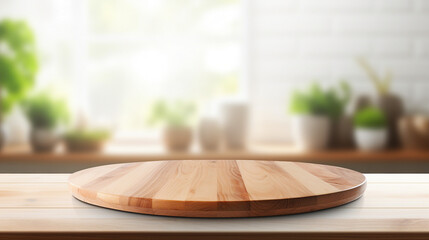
(370, 140)
(234, 116)
(209, 134)
(16, 128)
(310, 132)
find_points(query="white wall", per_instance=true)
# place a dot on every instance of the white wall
(293, 42)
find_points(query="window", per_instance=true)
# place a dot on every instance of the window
(115, 57)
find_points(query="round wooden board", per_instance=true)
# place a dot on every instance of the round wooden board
(217, 188)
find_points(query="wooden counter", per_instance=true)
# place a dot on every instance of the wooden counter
(35, 206)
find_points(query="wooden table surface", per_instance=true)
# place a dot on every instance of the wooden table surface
(35, 206)
(217, 188)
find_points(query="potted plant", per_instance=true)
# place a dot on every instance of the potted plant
(18, 64)
(175, 117)
(371, 129)
(389, 103)
(86, 140)
(45, 114)
(313, 112)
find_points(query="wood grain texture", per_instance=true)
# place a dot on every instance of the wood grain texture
(217, 188)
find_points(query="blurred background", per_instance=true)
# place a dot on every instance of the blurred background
(88, 82)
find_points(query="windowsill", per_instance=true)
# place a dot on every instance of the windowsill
(115, 152)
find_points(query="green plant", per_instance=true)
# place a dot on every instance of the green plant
(370, 117)
(80, 135)
(176, 113)
(44, 111)
(18, 62)
(317, 101)
(382, 84)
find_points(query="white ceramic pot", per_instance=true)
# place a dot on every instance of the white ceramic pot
(16, 128)
(311, 132)
(369, 140)
(209, 134)
(44, 140)
(235, 124)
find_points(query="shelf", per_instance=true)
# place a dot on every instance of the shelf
(126, 153)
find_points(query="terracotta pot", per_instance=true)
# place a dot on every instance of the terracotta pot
(311, 132)
(414, 132)
(341, 133)
(43, 140)
(178, 138)
(393, 107)
(209, 134)
(84, 146)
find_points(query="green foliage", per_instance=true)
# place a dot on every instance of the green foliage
(80, 135)
(382, 84)
(330, 102)
(44, 111)
(18, 62)
(370, 117)
(176, 113)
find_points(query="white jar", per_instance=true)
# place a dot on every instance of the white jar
(234, 121)
(209, 133)
(311, 132)
(368, 139)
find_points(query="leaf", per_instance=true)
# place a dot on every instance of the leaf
(382, 85)
(19, 67)
(320, 102)
(45, 111)
(176, 113)
(370, 117)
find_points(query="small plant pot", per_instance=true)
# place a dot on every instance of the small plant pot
(87, 146)
(177, 138)
(311, 132)
(44, 140)
(414, 132)
(209, 134)
(370, 140)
